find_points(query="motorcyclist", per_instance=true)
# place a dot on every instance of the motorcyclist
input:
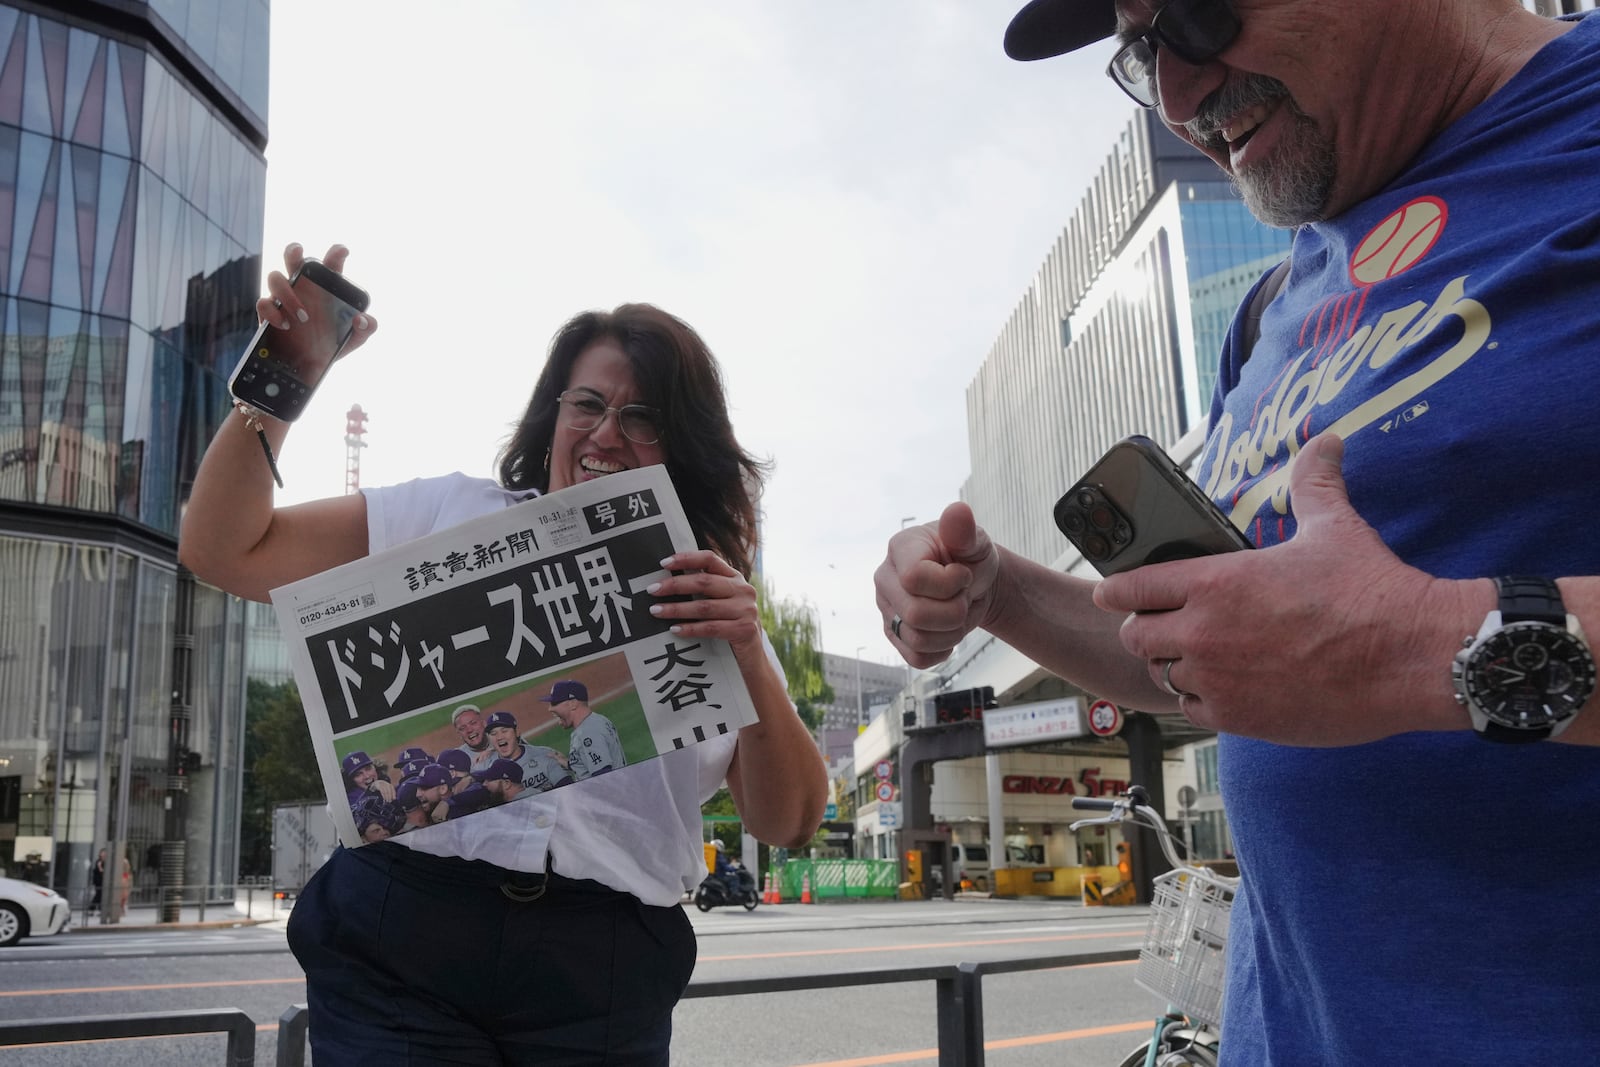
(727, 871)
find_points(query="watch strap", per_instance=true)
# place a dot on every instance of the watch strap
(1493, 731)
(1524, 599)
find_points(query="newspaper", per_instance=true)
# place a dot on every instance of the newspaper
(483, 638)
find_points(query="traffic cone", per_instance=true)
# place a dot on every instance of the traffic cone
(805, 890)
(766, 891)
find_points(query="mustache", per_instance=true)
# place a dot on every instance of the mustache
(1236, 96)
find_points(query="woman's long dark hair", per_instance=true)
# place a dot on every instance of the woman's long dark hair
(717, 481)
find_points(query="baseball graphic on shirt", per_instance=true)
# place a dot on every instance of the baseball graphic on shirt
(1399, 241)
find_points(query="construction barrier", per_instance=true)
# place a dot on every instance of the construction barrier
(1048, 881)
(838, 879)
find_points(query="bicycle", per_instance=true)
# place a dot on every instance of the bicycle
(1182, 958)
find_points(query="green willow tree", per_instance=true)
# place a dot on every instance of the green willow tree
(792, 629)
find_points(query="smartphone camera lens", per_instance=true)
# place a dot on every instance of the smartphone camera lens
(1122, 534)
(1072, 521)
(1086, 499)
(1096, 547)
(1101, 517)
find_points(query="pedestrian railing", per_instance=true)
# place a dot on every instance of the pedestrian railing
(239, 1027)
(958, 996)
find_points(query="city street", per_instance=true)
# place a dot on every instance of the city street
(1078, 1017)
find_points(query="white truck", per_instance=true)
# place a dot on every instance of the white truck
(302, 840)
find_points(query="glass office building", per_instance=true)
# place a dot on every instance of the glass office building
(1118, 334)
(132, 184)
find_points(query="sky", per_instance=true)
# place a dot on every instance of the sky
(846, 198)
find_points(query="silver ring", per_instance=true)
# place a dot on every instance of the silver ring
(894, 625)
(1166, 681)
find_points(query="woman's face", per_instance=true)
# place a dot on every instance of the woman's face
(602, 370)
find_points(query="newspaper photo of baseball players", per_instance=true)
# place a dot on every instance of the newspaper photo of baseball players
(511, 743)
(515, 653)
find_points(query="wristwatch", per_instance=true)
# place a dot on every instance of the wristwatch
(1526, 672)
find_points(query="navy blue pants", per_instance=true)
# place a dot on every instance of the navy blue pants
(412, 959)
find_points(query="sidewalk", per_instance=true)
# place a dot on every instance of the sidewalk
(243, 912)
(858, 913)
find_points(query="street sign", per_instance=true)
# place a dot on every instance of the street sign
(889, 816)
(1105, 718)
(884, 770)
(1187, 796)
(831, 812)
(1022, 724)
(885, 790)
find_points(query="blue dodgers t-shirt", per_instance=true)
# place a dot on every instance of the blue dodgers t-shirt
(1429, 897)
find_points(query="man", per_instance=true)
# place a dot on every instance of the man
(459, 765)
(411, 761)
(595, 747)
(541, 767)
(468, 721)
(361, 779)
(726, 870)
(431, 786)
(378, 819)
(503, 779)
(1411, 423)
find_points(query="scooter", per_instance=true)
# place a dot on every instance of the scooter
(713, 892)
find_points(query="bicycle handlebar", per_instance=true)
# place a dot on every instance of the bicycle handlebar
(1132, 806)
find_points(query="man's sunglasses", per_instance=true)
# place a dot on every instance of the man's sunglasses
(1197, 31)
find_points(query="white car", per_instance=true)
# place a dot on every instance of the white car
(28, 910)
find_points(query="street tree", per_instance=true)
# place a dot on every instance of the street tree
(792, 628)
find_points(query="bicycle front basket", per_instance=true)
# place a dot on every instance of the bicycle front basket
(1182, 957)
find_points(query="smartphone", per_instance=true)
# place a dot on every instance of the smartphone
(1136, 506)
(282, 368)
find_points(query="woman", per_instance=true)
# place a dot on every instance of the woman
(547, 931)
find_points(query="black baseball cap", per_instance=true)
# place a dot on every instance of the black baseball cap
(1046, 28)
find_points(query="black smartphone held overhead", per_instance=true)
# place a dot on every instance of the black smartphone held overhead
(1136, 506)
(282, 368)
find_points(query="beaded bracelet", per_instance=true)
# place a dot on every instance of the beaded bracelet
(252, 419)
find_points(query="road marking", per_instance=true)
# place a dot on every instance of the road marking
(908, 948)
(148, 988)
(989, 1046)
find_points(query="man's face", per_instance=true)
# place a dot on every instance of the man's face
(503, 788)
(365, 776)
(568, 711)
(1287, 110)
(432, 795)
(470, 726)
(504, 740)
(374, 832)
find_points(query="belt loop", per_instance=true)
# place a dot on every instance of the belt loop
(530, 893)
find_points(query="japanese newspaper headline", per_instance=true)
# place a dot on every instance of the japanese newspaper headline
(509, 655)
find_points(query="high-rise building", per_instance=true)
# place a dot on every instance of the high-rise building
(132, 185)
(1118, 333)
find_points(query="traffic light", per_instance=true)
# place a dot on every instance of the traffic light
(963, 705)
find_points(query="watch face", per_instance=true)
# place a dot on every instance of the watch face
(1529, 675)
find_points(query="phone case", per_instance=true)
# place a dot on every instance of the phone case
(280, 369)
(1136, 506)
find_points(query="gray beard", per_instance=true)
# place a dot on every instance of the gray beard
(1292, 188)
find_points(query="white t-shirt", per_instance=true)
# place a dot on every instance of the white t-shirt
(636, 829)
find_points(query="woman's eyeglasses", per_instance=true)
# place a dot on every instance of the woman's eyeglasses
(584, 411)
(1197, 31)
